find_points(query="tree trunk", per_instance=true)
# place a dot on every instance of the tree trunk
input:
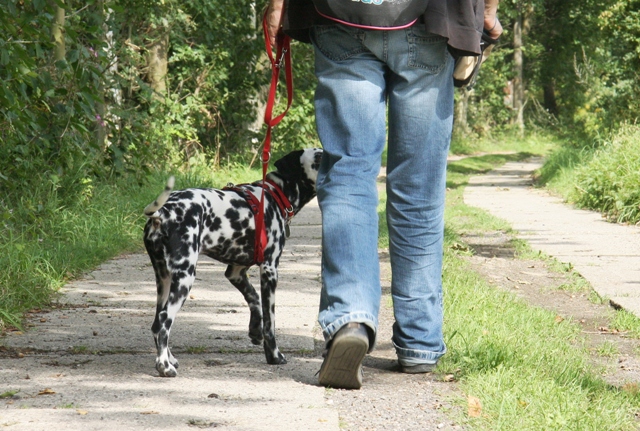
(518, 84)
(157, 61)
(112, 94)
(57, 32)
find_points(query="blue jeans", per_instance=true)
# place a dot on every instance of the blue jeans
(360, 74)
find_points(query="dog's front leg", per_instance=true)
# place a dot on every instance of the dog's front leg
(268, 283)
(237, 275)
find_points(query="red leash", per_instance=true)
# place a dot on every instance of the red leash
(281, 59)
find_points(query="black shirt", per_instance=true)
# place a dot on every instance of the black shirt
(460, 21)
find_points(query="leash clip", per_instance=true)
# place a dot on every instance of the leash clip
(281, 60)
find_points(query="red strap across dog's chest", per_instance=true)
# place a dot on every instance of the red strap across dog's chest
(261, 233)
(281, 200)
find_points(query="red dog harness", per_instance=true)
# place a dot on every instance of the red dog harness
(271, 188)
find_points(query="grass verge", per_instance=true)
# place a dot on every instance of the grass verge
(529, 371)
(59, 242)
(602, 176)
(518, 367)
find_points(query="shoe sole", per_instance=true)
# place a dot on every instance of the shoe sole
(418, 369)
(343, 364)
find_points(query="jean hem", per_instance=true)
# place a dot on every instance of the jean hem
(330, 330)
(416, 357)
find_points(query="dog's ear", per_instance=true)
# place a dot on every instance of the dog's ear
(290, 166)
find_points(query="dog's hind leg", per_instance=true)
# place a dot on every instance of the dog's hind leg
(268, 283)
(163, 286)
(182, 274)
(237, 275)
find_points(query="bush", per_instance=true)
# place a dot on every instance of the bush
(610, 181)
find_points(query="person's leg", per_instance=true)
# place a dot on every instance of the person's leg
(350, 118)
(420, 122)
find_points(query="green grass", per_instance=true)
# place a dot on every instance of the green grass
(8, 394)
(45, 242)
(538, 143)
(529, 371)
(602, 176)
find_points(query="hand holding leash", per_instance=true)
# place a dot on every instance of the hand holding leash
(274, 19)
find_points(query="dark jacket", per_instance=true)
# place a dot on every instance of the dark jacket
(460, 21)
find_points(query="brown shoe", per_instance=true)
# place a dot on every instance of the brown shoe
(342, 366)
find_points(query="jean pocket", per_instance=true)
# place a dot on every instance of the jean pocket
(426, 50)
(338, 42)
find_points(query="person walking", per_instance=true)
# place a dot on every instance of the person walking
(378, 87)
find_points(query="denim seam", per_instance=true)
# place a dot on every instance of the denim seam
(429, 356)
(330, 330)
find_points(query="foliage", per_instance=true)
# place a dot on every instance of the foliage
(610, 181)
(47, 109)
(580, 67)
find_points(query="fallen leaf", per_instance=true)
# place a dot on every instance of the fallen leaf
(474, 406)
(46, 391)
(449, 378)
(150, 412)
(43, 320)
(631, 388)
(82, 412)
(559, 319)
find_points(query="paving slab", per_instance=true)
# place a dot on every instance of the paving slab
(605, 254)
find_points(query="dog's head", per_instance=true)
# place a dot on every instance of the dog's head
(298, 172)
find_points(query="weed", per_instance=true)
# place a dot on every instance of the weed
(8, 394)
(627, 322)
(607, 349)
(195, 350)
(79, 350)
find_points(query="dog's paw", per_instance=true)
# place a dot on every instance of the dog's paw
(277, 359)
(165, 369)
(173, 361)
(256, 336)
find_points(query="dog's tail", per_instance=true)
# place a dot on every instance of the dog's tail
(160, 200)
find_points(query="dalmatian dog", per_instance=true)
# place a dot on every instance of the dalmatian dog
(221, 224)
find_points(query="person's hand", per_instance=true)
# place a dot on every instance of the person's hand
(274, 19)
(492, 25)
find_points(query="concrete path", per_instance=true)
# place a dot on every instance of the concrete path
(606, 254)
(89, 365)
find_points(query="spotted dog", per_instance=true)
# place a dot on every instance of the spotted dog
(221, 224)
